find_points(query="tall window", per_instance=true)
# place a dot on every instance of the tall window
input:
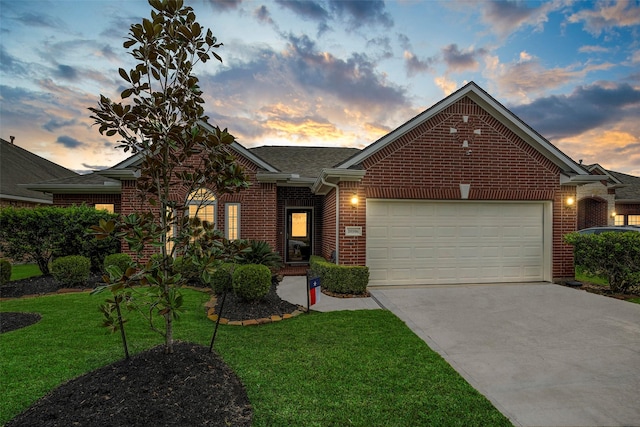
(232, 221)
(202, 204)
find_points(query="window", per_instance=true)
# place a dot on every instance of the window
(104, 207)
(299, 224)
(232, 221)
(633, 220)
(202, 204)
(618, 220)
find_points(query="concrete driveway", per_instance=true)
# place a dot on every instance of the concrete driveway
(545, 355)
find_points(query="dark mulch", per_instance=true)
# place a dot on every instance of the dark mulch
(238, 309)
(601, 290)
(11, 321)
(190, 387)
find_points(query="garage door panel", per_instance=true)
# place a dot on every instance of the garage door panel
(454, 242)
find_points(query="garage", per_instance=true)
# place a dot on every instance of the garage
(414, 242)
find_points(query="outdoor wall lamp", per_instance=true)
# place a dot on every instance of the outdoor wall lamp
(570, 201)
(613, 214)
(354, 200)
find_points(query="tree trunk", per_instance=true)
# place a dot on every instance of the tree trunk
(168, 342)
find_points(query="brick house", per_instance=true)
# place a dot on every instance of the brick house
(18, 167)
(614, 200)
(465, 192)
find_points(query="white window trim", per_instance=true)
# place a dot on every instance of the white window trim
(226, 220)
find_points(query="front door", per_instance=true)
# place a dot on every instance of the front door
(299, 235)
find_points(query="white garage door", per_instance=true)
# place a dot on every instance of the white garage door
(420, 242)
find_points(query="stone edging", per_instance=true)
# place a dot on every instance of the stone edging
(210, 307)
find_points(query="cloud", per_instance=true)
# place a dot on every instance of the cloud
(607, 16)
(55, 123)
(506, 17)
(35, 19)
(362, 12)
(415, 65)
(464, 60)
(447, 86)
(69, 142)
(305, 9)
(262, 14)
(66, 72)
(224, 5)
(94, 167)
(586, 108)
(593, 49)
(527, 76)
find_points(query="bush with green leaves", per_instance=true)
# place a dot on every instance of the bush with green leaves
(190, 268)
(46, 232)
(259, 252)
(122, 261)
(5, 271)
(342, 279)
(613, 255)
(221, 279)
(251, 282)
(71, 270)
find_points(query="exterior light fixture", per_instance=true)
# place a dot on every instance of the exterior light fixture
(570, 201)
(354, 200)
(613, 214)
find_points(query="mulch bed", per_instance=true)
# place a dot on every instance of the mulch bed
(601, 290)
(190, 387)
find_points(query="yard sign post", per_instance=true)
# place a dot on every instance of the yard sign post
(313, 291)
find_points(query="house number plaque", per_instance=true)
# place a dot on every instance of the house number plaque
(353, 231)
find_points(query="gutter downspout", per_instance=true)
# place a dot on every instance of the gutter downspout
(337, 217)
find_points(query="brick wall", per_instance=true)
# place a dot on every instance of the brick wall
(430, 162)
(328, 220)
(593, 212)
(66, 200)
(300, 197)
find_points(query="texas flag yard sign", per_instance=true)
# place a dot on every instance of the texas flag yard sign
(314, 291)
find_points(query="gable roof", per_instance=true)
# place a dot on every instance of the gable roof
(629, 190)
(19, 166)
(572, 171)
(305, 162)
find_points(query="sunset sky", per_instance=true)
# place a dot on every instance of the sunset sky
(335, 72)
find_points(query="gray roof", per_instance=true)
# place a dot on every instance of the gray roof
(307, 162)
(631, 186)
(19, 166)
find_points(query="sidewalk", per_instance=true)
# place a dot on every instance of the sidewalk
(294, 290)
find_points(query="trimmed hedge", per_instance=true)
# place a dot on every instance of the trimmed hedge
(71, 270)
(613, 255)
(341, 279)
(5, 271)
(251, 282)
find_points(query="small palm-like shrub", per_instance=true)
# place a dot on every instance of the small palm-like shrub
(122, 261)
(5, 271)
(259, 252)
(251, 282)
(71, 270)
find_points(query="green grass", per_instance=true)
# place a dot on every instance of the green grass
(357, 368)
(581, 276)
(23, 271)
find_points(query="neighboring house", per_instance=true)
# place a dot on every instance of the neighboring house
(18, 167)
(614, 200)
(463, 193)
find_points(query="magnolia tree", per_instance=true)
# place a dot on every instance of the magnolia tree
(160, 118)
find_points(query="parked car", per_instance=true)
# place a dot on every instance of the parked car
(615, 229)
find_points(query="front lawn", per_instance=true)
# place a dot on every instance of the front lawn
(342, 368)
(24, 271)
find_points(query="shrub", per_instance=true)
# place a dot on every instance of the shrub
(188, 268)
(342, 279)
(259, 252)
(71, 270)
(613, 255)
(251, 282)
(221, 279)
(122, 261)
(5, 271)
